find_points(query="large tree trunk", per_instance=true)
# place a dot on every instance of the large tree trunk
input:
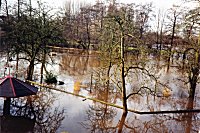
(124, 99)
(189, 116)
(193, 78)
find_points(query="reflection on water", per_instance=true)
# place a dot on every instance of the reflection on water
(79, 64)
(96, 117)
(77, 87)
(178, 123)
(82, 74)
(33, 114)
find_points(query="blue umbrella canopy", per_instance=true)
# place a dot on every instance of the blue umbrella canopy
(11, 87)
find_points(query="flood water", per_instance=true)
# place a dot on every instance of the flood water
(55, 111)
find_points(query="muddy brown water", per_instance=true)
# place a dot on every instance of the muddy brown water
(55, 111)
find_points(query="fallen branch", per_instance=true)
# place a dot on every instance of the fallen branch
(117, 106)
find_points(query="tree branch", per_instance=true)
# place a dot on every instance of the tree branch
(143, 87)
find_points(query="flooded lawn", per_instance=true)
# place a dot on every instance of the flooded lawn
(57, 111)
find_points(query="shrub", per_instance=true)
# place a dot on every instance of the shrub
(51, 78)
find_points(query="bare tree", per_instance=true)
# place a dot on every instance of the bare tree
(175, 12)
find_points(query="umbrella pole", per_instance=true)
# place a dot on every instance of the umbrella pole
(6, 106)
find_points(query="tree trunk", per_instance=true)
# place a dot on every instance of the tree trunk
(6, 3)
(88, 36)
(189, 116)
(161, 37)
(193, 81)
(30, 70)
(171, 44)
(18, 42)
(17, 65)
(0, 5)
(122, 74)
(124, 100)
(122, 121)
(42, 67)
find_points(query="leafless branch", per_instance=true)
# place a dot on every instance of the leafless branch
(141, 88)
(185, 82)
(142, 69)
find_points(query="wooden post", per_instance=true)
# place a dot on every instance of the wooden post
(6, 107)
